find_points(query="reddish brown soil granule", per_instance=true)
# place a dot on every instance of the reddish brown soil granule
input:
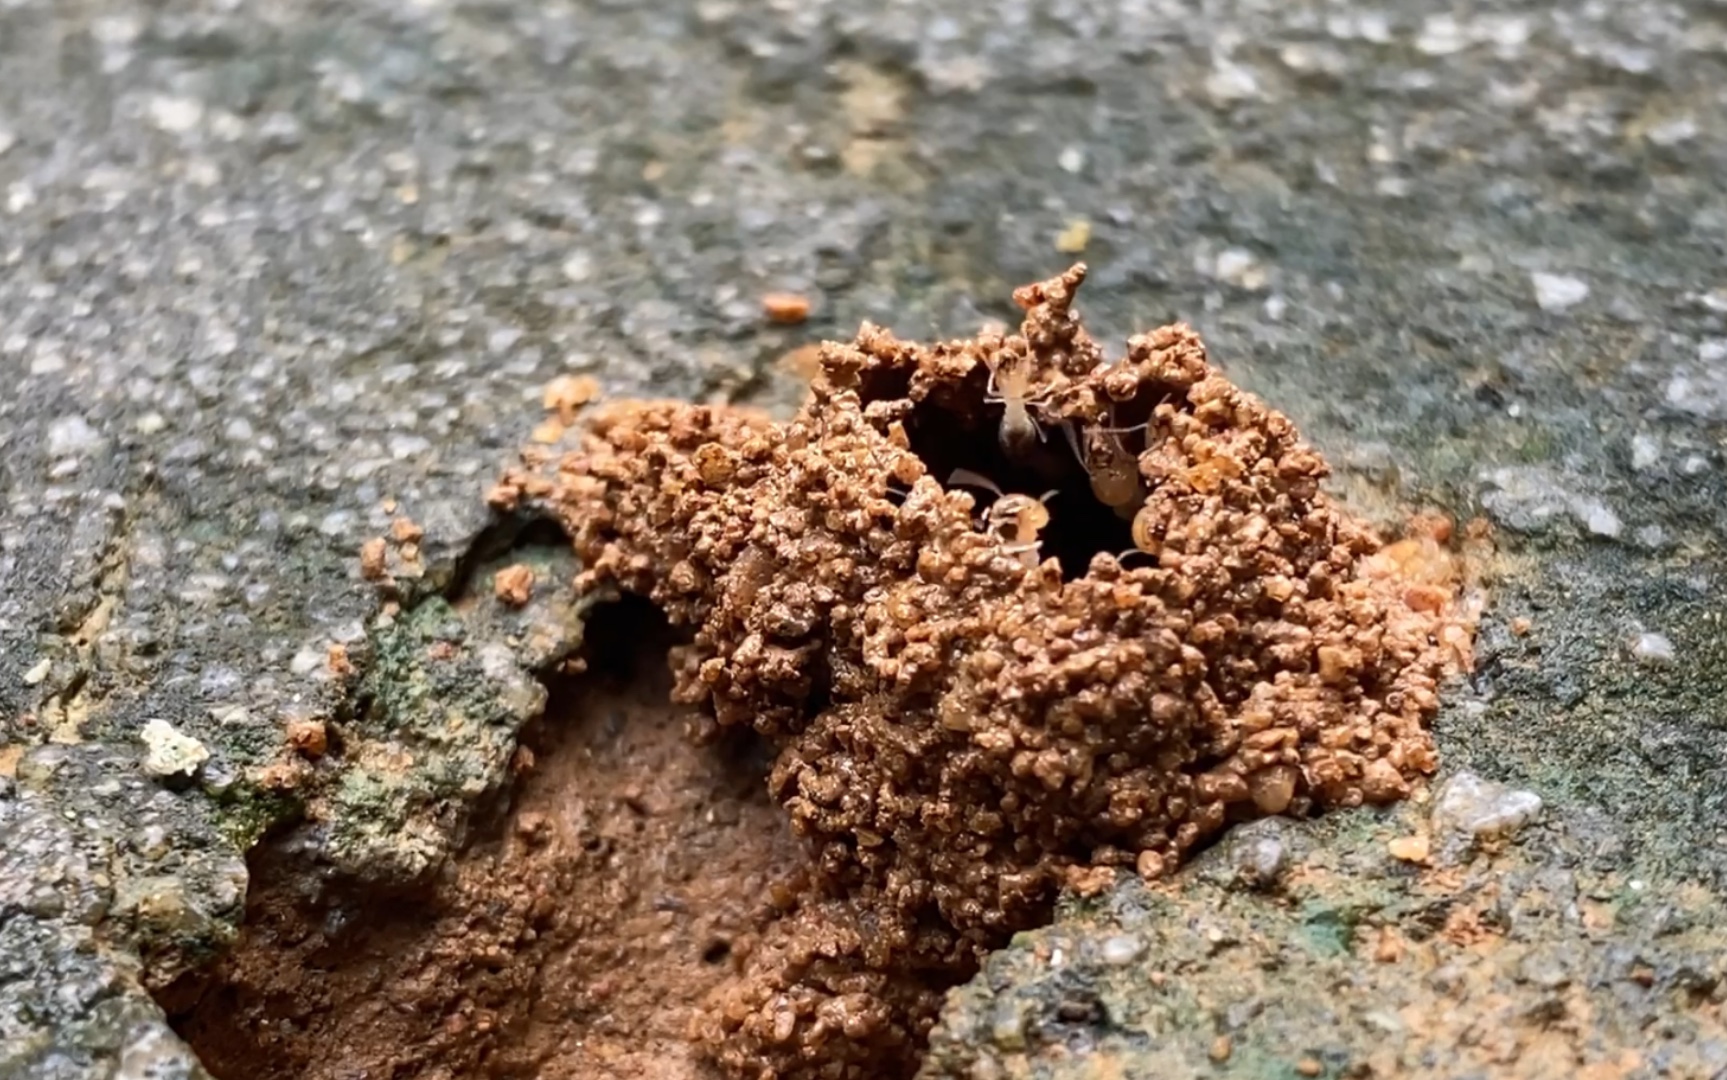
(631, 875)
(958, 725)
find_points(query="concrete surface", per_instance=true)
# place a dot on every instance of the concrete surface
(265, 266)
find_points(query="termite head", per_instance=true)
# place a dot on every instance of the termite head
(1010, 386)
(1114, 472)
(1144, 536)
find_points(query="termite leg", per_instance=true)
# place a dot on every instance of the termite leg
(1073, 444)
(968, 478)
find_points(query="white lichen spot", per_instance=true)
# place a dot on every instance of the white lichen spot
(1652, 648)
(1558, 292)
(170, 752)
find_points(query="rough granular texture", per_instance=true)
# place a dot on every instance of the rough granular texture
(965, 722)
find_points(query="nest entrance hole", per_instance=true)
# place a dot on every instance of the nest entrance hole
(967, 436)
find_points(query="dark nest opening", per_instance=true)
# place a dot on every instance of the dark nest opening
(961, 433)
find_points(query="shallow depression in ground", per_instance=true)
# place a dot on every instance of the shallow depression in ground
(629, 873)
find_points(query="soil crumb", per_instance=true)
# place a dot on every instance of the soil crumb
(632, 874)
(1011, 616)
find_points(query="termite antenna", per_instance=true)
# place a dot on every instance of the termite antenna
(1122, 557)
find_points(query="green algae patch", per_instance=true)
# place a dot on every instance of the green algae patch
(1337, 947)
(438, 713)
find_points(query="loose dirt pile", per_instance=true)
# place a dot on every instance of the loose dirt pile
(1010, 617)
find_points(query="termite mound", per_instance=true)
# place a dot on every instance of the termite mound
(964, 722)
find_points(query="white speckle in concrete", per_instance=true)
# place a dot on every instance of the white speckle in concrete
(308, 661)
(1558, 292)
(1441, 35)
(38, 672)
(1238, 267)
(72, 435)
(1651, 648)
(1673, 132)
(1596, 516)
(1230, 82)
(336, 523)
(175, 115)
(1645, 452)
(1072, 159)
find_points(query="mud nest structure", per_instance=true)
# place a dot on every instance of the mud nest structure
(1011, 615)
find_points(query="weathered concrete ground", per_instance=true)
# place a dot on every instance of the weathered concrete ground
(264, 267)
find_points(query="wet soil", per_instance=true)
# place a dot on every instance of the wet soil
(629, 875)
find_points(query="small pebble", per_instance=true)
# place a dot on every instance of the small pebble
(1260, 861)
(1477, 808)
(171, 753)
(1121, 950)
(1653, 649)
(38, 671)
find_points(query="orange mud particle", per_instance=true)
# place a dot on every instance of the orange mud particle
(514, 585)
(372, 556)
(1409, 849)
(964, 724)
(787, 309)
(566, 394)
(309, 737)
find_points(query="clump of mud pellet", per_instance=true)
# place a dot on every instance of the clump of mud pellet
(973, 707)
